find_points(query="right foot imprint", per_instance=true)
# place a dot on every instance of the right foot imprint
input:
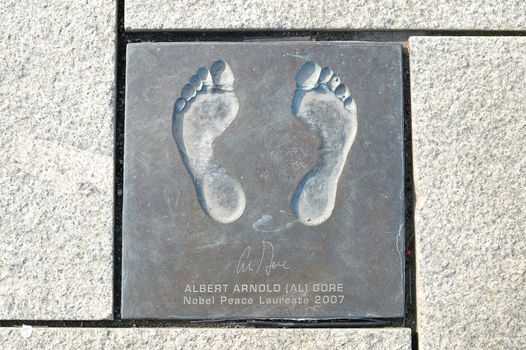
(207, 106)
(323, 104)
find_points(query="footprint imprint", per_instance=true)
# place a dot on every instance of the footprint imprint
(207, 106)
(323, 104)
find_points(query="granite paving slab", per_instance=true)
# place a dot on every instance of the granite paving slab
(56, 151)
(204, 338)
(469, 146)
(323, 14)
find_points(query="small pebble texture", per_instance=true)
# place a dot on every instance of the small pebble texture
(56, 156)
(469, 158)
(323, 14)
(206, 338)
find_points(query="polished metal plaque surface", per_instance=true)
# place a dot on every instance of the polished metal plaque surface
(263, 180)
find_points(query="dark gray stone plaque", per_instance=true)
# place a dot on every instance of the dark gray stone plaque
(263, 180)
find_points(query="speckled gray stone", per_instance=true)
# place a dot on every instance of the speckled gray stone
(205, 338)
(469, 146)
(322, 14)
(56, 151)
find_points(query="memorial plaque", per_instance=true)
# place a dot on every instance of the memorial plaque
(263, 180)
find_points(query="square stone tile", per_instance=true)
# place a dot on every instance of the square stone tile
(186, 256)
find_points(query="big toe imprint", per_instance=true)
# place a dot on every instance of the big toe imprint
(323, 104)
(207, 106)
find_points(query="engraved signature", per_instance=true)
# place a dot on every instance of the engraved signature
(265, 263)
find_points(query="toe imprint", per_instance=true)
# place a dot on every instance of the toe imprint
(325, 107)
(207, 106)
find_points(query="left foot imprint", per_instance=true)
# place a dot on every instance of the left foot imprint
(323, 104)
(207, 106)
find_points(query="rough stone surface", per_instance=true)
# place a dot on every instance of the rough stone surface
(205, 338)
(56, 107)
(322, 14)
(469, 146)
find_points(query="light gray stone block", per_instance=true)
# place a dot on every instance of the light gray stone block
(322, 14)
(205, 338)
(56, 156)
(469, 146)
